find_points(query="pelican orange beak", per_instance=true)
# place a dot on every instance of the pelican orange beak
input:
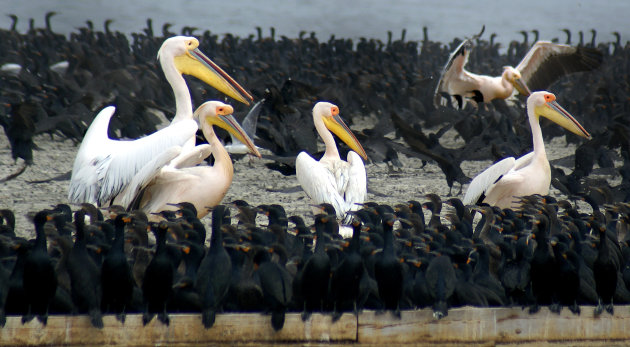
(335, 124)
(554, 112)
(225, 120)
(197, 64)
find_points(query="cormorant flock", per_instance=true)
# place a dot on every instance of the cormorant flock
(546, 252)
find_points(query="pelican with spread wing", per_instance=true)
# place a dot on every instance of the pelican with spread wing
(176, 176)
(544, 63)
(103, 167)
(502, 183)
(343, 184)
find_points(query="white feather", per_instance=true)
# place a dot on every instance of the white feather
(486, 179)
(146, 175)
(318, 182)
(356, 191)
(103, 167)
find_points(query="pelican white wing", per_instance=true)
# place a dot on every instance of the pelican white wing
(146, 175)
(356, 190)
(486, 179)
(174, 172)
(454, 79)
(319, 183)
(453, 73)
(546, 62)
(491, 176)
(342, 185)
(103, 167)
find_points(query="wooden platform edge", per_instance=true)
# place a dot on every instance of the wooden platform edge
(184, 329)
(499, 325)
(467, 325)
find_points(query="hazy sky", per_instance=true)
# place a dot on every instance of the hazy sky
(355, 18)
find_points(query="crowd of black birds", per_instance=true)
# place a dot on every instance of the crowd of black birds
(547, 253)
(55, 84)
(258, 259)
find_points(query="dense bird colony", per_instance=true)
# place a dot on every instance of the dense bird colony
(404, 250)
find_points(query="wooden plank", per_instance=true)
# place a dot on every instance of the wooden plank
(185, 329)
(493, 325)
(467, 325)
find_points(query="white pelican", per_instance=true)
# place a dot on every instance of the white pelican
(103, 167)
(501, 184)
(543, 64)
(175, 176)
(340, 183)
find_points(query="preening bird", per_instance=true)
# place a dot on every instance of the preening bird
(501, 184)
(103, 167)
(343, 184)
(175, 176)
(543, 64)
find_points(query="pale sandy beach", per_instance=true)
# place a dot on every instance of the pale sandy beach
(253, 182)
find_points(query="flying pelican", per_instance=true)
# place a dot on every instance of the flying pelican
(332, 180)
(544, 63)
(103, 167)
(175, 176)
(501, 184)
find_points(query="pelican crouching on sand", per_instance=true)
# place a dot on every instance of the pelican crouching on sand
(502, 183)
(544, 63)
(343, 184)
(103, 167)
(177, 177)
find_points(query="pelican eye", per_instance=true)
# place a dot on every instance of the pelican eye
(334, 110)
(223, 110)
(550, 97)
(192, 44)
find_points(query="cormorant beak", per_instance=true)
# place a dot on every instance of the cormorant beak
(225, 120)
(197, 64)
(335, 124)
(554, 112)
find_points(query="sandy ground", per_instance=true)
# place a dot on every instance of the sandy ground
(253, 182)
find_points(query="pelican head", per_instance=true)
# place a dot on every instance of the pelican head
(220, 114)
(329, 114)
(514, 77)
(189, 60)
(544, 104)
